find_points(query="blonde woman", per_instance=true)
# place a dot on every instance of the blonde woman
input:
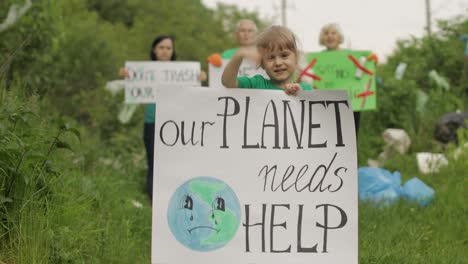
(331, 36)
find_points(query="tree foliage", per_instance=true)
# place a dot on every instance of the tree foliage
(398, 99)
(66, 50)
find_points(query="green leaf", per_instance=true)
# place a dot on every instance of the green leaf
(63, 126)
(4, 199)
(76, 132)
(37, 156)
(62, 144)
(14, 117)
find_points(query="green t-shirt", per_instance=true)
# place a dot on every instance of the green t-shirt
(259, 82)
(228, 54)
(256, 82)
(150, 112)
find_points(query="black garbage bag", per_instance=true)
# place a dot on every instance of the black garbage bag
(446, 127)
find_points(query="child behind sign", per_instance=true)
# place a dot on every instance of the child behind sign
(276, 52)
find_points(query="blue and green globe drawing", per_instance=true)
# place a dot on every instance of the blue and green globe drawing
(204, 214)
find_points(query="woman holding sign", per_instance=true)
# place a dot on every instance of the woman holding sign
(332, 37)
(162, 49)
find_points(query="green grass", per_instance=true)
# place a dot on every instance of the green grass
(408, 233)
(81, 211)
(79, 207)
(89, 217)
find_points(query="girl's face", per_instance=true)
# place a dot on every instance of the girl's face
(163, 50)
(331, 39)
(280, 65)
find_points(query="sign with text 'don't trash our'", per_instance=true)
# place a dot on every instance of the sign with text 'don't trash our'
(145, 76)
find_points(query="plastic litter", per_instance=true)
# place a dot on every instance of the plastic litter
(439, 80)
(378, 185)
(115, 86)
(14, 13)
(417, 191)
(446, 127)
(430, 162)
(126, 113)
(384, 188)
(460, 151)
(400, 71)
(421, 100)
(464, 38)
(396, 140)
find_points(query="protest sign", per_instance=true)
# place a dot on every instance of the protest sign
(145, 76)
(254, 176)
(247, 68)
(344, 69)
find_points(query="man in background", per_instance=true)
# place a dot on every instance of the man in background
(245, 34)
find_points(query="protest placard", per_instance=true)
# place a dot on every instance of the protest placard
(247, 68)
(145, 76)
(254, 176)
(353, 71)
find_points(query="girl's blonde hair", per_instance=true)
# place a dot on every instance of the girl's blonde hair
(277, 37)
(331, 26)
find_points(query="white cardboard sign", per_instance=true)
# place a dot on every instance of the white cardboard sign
(254, 177)
(247, 68)
(145, 76)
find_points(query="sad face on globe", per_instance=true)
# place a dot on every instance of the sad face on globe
(204, 214)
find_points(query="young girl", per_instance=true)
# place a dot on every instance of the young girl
(277, 53)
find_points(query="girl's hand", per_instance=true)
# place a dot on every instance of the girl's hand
(292, 88)
(123, 73)
(252, 54)
(202, 76)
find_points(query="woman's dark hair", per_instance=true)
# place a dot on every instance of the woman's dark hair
(156, 42)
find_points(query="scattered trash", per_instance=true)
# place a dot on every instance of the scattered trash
(465, 39)
(137, 204)
(446, 127)
(439, 80)
(115, 164)
(400, 71)
(115, 86)
(384, 188)
(430, 162)
(421, 100)
(373, 163)
(378, 185)
(417, 191)
(14, 13)
(126, 112)
(460, 150)
(397, 141)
